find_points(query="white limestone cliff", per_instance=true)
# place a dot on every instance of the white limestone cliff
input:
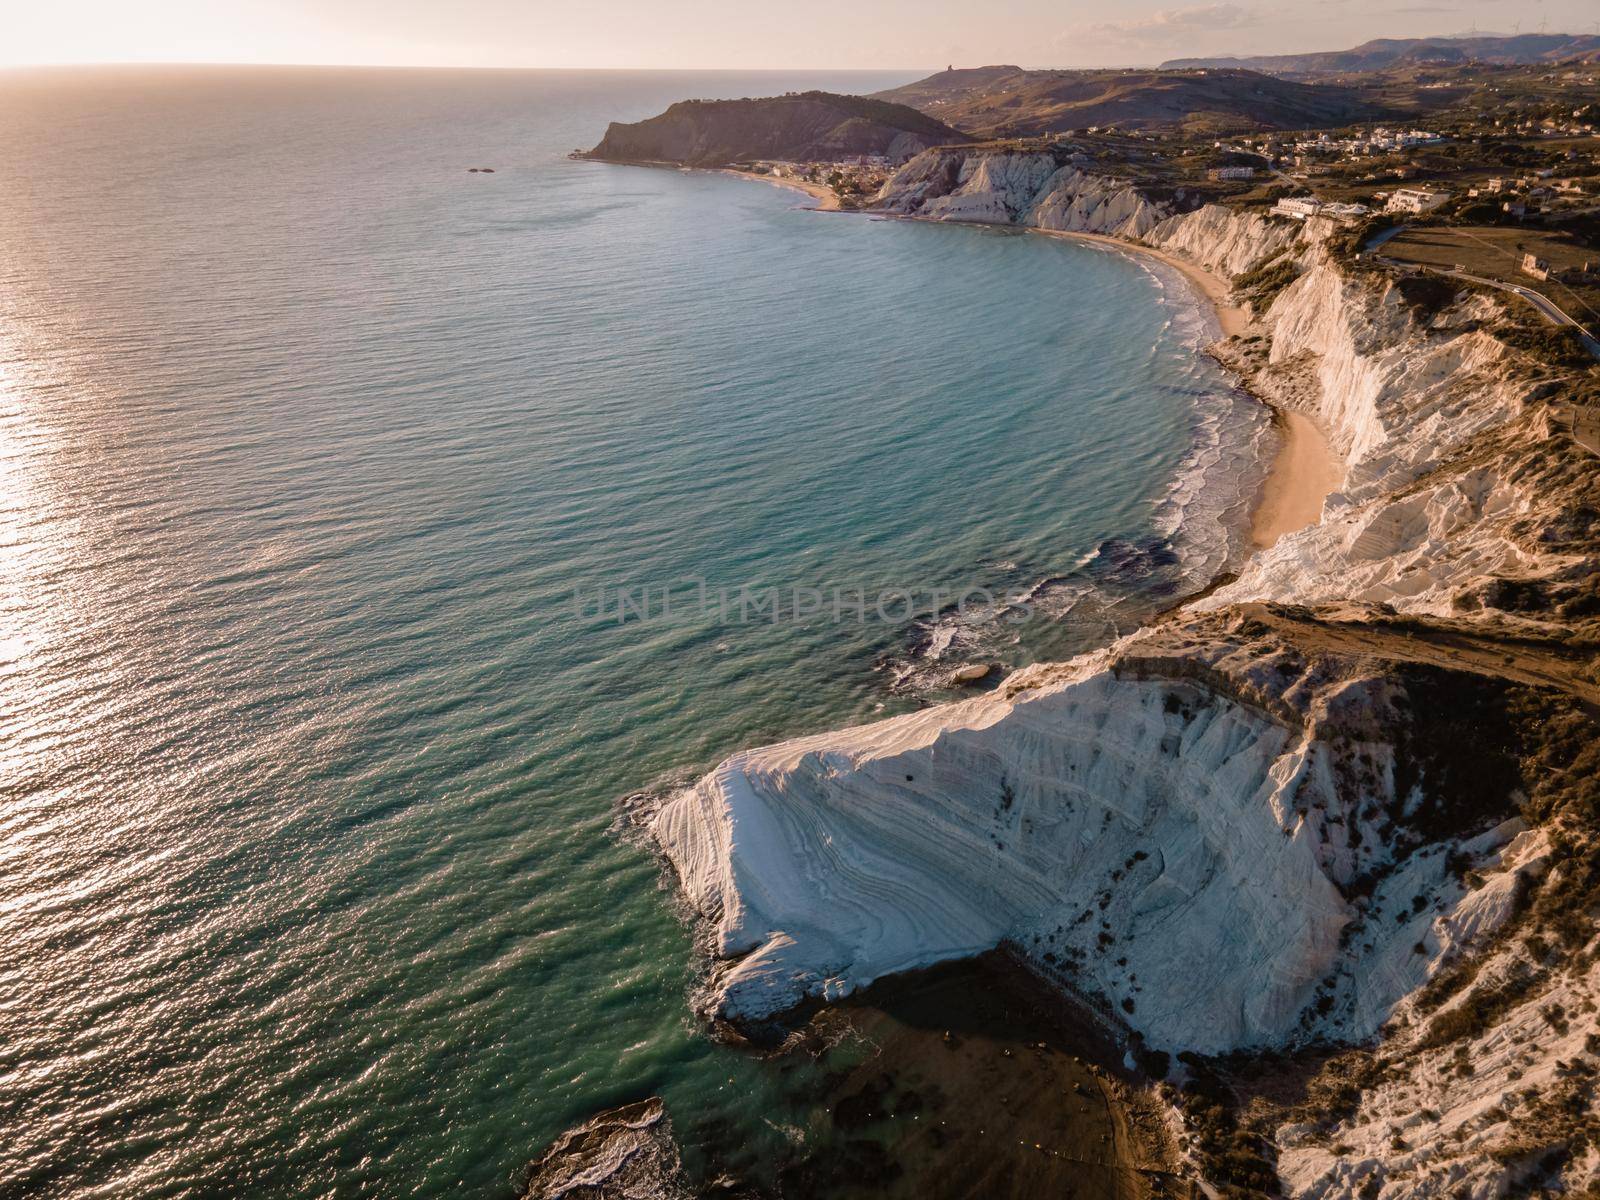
(1398, 397)
(1158, 835)
(1023, 189)
(1036, 190)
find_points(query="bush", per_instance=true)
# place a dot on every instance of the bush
(1427, 295)
(1558, 345)
(1263, 283)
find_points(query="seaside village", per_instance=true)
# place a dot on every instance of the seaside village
(851, 177)
(1383, 155)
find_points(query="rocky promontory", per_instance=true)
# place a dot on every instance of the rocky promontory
(627, 1153)
(801, 126)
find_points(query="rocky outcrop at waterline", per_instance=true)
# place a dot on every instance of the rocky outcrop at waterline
(804, 126)
(627, 1153)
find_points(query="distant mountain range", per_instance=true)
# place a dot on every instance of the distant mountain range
(1002, 101)
(1522, 49)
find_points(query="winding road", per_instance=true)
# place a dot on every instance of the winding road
(1550, 310)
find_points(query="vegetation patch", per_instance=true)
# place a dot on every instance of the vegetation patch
(1263, 283)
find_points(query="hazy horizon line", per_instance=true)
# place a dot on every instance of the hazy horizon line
(360, 66)
(694, 70)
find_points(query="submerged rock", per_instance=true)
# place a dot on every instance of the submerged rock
(971, 674)
(627, 1153)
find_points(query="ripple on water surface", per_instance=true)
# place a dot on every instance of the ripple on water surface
(310, 438)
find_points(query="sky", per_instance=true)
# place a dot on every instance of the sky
(749, 34)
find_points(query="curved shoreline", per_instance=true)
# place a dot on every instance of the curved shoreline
(828, 200)
(1232, 319)
(1305, 470)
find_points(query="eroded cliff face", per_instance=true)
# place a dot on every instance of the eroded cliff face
(1277, 817)
(1053, 192)
(997, 187)
(1456, 485)
(1214, 825)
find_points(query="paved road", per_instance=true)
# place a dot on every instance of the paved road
(1551, 311)
(1547, 308)
(1538, 299)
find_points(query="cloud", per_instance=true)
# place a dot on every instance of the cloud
(1175, 24)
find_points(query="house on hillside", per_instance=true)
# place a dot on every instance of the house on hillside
(1298, 207)
(1415, 200)
(1533, 265)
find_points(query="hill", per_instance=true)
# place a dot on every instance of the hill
(1521, 50)
(1003, 101)
(801, 126)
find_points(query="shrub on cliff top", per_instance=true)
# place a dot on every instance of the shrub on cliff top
(1264, 282)
(1427, 295)
(1558, 345)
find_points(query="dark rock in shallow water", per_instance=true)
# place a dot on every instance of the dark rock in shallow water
(627, 1153)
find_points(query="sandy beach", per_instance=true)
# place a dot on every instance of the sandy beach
(1303, 473)
(1305, 468)
(827, 200)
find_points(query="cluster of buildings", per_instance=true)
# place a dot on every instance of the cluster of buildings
(1379, 141)
(857, 174)
(1548, 127)
(1304, 151)
(1402, 200)
(1539, 192)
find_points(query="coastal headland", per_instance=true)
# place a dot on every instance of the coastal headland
(1322, 844)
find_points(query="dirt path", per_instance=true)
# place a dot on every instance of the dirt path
(1524, 660)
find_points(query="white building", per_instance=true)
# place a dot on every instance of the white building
(1415, 200)
(1301, 208)
(1298, 207)
(1234, 173)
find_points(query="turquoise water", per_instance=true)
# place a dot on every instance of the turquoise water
(309, 438)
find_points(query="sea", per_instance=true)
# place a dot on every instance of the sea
(374, 525)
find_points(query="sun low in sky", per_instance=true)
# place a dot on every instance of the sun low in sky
(748, 34)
